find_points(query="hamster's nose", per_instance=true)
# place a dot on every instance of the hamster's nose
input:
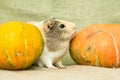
(74, 26)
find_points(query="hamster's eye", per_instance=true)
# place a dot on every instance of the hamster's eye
(62, 26)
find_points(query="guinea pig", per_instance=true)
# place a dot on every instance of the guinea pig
(57, 35)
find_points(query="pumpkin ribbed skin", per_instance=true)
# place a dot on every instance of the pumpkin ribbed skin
(20, 45)
(97, 45)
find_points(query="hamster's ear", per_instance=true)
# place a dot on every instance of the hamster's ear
(49, 25)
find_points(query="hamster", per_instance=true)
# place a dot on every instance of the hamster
(57, 35)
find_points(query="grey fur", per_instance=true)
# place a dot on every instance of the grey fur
(55, 36)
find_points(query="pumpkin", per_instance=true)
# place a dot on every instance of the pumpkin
(21, 44)
(97, 45)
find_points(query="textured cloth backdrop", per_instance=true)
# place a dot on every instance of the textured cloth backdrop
(82, 13)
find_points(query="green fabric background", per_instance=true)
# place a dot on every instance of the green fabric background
(81, 12)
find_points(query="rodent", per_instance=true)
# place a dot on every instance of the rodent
(57, 35)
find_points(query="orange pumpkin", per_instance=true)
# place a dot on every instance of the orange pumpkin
(97, 45)
(20, 45)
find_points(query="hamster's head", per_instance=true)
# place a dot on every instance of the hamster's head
(58, 29)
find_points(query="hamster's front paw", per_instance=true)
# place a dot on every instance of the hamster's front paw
(52, 67)
(62, 67)
(59, 65)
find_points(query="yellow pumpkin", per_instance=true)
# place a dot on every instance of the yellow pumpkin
(21, 44)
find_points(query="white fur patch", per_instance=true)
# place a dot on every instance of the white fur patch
(51, 55)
